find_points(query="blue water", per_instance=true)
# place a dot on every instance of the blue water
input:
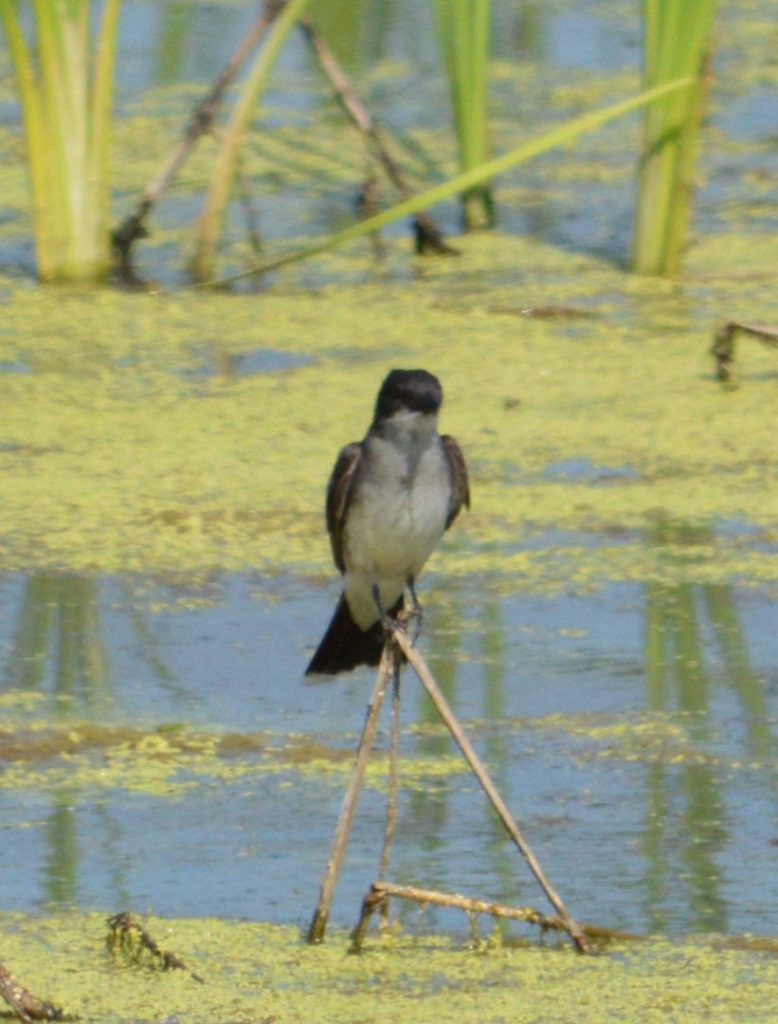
(638, 844)
(682, 842)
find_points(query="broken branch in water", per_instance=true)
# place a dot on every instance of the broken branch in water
(380, 892)
(127, 935)
(25, 1005)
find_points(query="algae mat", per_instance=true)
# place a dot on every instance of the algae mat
(255, 972)
(152, 432)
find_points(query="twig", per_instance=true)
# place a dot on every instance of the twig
(367, 206)
(127, 935)
(25, 1005)
(381, 891)
(200, 123)
(252, 219)
(348, 808)
(445, 712)
(723, 350)
(391, 804)
(427, 234)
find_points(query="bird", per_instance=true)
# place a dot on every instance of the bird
(390, 498)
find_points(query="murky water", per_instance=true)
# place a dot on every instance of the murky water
(643, 801)
(631, 729)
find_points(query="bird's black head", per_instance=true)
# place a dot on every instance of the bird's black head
(408, 390)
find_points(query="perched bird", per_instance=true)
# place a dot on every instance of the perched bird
(389, 499)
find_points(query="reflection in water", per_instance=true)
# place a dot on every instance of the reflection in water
(676, 678)
(61, 861)
(175, 24)
(430, 812)
(671, 822)
(748, 687)
(58, 640)
(502, 855)
(686, 825)
(678, 617)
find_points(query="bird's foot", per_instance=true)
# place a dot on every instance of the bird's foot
(388, 624)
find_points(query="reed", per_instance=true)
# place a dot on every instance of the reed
(64, 78)
(676, 42)
(463, 34)
(438, 193)
(209, 224)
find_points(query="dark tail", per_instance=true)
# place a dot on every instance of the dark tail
(345, 645)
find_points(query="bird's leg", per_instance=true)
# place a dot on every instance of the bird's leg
(417, 613)
(386, 621)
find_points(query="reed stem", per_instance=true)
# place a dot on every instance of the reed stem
(676, 41)
(209, 224)
(463, 32)
(64, 79)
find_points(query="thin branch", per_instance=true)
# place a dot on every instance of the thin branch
(427, 234)
(380, 892)
(391, 804)
(478, 769)
(200, 123)
(723, 350)
(348, 808)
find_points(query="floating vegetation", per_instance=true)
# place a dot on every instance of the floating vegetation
(260, 972)
(118, 454)
(168, 763)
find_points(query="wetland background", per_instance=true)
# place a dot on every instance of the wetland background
(604, 618)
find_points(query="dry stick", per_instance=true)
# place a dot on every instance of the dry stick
(25, 1005)
(445, 712)
(428, 235)
(391, 804)
(381, 891)
(12, 993)
(724, 344)
(200, 123)
(351, 797)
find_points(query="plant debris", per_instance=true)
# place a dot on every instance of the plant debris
(127, 936)
(24, 1004)
(723, 350)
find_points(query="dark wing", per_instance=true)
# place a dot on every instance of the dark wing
(460, 490)
(338, 492)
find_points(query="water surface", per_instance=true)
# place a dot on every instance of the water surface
(603, 622)
(643, 780)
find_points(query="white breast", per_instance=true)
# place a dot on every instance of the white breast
(396, 517)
